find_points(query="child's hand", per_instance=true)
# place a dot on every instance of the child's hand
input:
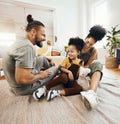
(70, 75)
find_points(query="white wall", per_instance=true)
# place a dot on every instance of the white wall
(74, 17)
(113, 12)
(67, 17)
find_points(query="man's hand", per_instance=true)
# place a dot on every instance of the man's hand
(25, 75)
(44, 74)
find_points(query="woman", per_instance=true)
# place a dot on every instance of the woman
(89, 54)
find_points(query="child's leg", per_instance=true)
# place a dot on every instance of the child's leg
(61, 79)
(75, 89)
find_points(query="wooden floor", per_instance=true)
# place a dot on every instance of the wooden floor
(114, 73)
(63, 110)
(2, 78)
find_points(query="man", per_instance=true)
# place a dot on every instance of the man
(21, 66)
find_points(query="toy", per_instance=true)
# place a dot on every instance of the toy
(83, 80)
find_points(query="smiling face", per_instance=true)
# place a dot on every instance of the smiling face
(36, 36)
(73, 52)
(40, 34)
(89, 42)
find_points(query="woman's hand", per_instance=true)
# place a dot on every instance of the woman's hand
(70, 75)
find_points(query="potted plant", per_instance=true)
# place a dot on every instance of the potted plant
(113, 38)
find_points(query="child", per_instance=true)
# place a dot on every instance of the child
(69, 68)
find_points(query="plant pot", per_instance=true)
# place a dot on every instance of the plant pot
(110, 62)
(55, 53)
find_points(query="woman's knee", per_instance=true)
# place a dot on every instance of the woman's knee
(96, 66)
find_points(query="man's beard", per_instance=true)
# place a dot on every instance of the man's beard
(39, 44)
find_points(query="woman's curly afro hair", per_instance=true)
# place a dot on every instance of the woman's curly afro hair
(97, 32)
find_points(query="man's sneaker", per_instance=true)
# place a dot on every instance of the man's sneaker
(52, 94)
(89, 98)
(1, 73)
(39, 93)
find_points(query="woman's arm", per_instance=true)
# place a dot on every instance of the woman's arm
(93, 57)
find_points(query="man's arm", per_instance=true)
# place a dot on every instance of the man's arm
(25, 76)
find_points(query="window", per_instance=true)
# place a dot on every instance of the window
(100, 16)
(6, 39)
(13, 20)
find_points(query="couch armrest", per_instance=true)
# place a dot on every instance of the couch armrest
(56, 59)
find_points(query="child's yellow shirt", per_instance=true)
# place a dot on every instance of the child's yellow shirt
(67, 62)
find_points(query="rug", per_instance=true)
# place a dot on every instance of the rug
(62, 110)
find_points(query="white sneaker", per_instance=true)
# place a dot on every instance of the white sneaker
(52, 94)
(89, 98)
(1, 73)
(39, 93)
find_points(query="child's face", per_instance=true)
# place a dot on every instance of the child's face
(72, 52)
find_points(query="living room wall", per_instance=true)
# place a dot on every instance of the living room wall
(114, 12)
(66, 19)
(113, 19)
(13, 21)
(73, 17)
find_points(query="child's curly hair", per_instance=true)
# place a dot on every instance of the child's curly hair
(77, 42)
(97, 32)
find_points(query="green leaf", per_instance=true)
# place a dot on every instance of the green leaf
(109, 32)
(113, 38)
(108, 44)
(118, 32)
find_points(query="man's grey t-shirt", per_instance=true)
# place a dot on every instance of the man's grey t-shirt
(20, 54)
